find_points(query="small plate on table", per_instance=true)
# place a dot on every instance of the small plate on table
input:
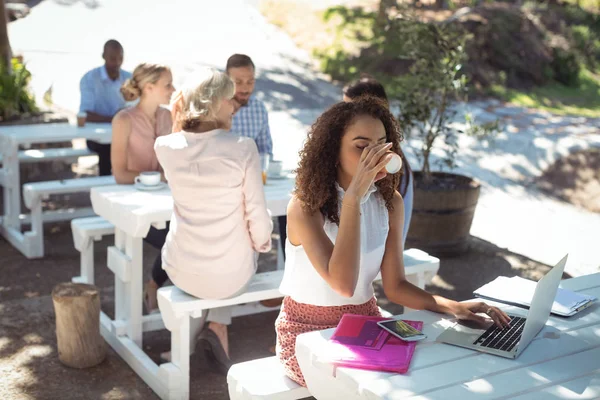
(149, 188)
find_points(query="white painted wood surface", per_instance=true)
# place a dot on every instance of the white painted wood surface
(132, 212)
(564, 358)
(262, 379)
(11, 139)
(33, 193)
(85, 232)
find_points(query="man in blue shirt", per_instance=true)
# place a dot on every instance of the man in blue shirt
(101, 96)
(251, 118)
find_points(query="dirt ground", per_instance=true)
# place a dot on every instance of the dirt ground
(575, 179)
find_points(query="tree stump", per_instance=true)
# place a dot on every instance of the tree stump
(77, 309)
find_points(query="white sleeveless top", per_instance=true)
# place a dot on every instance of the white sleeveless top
(302, 282)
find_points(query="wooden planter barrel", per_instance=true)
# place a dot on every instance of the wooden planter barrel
(443, 213)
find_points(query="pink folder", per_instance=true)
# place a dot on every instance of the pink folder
(358, 342)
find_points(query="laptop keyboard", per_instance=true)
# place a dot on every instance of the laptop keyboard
(502, 338)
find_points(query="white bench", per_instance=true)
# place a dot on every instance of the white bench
(178, 309)
(39, 155)
(85, 232)
(262, 379)
(33, 193)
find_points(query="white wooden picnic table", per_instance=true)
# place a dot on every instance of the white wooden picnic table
(13, 137)
(563, 362)
(133, 212)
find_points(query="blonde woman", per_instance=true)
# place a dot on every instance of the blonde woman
(220, 219)
(134, 131)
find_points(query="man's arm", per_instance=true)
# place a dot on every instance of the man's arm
(86, 87)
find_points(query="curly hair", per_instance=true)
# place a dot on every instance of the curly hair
(317, 170)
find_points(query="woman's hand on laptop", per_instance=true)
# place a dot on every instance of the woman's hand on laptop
(470, 311)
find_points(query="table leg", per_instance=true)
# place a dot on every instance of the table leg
(125, 260)
(121, 310)
(133, 249)
(12, 193)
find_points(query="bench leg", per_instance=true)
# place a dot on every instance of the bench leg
(86, 262)
(12, 187)
(178, 370)
(125, 259)
(134, 250)
(121, 311)
(35, 238)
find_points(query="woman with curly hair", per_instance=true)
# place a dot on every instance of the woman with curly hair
(366, 85)
(345, 225)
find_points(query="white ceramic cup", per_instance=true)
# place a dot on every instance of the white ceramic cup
(275, 168)
(149, 178)
(394, 165)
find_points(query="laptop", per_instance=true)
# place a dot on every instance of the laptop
(509, 342)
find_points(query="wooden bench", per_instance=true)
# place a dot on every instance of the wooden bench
(178, 309)
(34, 193)
(85, 232)
(262, 379)
(40, 155)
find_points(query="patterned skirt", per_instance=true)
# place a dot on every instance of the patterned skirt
(297, 318)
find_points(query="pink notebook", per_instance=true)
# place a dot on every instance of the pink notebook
(358, 342)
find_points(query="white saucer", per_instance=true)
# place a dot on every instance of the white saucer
(146, 188)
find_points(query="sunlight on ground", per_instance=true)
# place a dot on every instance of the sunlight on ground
(441, 283)
(4, 343)
(303, 20)
(115, 393)
(17, 368)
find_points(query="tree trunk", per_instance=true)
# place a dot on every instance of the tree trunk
(383, 11)
(77, 309)
(5, 52)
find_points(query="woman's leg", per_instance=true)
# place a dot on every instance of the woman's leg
(156, 238)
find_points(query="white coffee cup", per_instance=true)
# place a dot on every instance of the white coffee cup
(275, 168)
(394, 165)
(149, 178)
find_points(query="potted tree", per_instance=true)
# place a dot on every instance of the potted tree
(421, 65)
(428, 93)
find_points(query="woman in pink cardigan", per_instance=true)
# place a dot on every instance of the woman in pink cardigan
(220, 219)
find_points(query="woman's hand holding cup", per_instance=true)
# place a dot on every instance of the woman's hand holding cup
(372, 161)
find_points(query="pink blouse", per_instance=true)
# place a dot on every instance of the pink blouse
(220, 218)
(140, 148)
